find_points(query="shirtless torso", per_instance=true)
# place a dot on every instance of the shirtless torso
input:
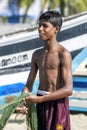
(49, 65)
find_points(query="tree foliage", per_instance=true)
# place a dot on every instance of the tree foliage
(67, 7)
(74, 6)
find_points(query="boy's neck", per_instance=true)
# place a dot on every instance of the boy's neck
(50, 46)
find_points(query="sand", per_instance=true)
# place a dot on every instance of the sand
(78, 122)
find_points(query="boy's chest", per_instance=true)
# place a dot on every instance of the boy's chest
(48, 61)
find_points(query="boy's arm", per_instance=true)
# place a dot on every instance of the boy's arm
(32, 75)
(28, 87)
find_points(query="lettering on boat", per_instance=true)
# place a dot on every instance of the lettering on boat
(15, 59)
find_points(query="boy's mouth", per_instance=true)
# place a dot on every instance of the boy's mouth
(41, 34)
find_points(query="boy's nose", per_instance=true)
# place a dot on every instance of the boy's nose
(40, 28)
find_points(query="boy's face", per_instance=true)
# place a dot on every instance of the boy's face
(47, 31)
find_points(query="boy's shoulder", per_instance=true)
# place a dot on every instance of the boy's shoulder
(38, 52)
(63, 51)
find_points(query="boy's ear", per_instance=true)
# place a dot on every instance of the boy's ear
(57, 29)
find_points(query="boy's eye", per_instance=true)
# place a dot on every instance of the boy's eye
(43, 25)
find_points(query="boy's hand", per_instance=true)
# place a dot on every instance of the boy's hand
(22, 109)
(33, 99)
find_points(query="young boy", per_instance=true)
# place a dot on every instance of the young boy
(55, 76)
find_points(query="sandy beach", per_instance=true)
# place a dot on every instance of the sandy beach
(78, 122)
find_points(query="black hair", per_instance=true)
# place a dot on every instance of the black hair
(53, 17)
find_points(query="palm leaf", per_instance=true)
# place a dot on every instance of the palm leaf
(7, 110)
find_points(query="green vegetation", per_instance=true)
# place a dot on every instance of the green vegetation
(7, 110)
(31, 117)
(73, 6)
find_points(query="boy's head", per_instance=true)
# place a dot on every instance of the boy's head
(53, 17)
